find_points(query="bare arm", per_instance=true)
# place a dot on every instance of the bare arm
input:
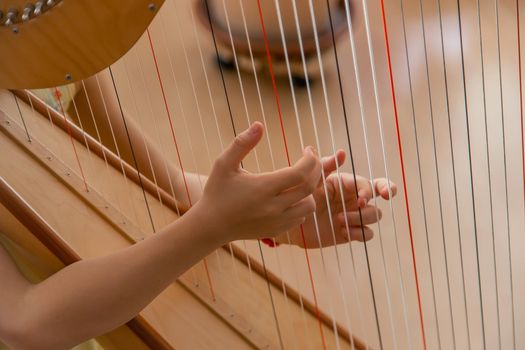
(87, 298)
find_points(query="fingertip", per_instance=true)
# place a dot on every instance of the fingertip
(362, 201)
(362, 234)
(341, 156)
(311, 150)
(393, 189)
(385, 193)
(256, 128)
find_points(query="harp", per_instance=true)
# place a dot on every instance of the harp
(425, 92)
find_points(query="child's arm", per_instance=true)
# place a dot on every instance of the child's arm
(92, 297)
(369, 213)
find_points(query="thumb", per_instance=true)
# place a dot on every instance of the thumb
(242, 145)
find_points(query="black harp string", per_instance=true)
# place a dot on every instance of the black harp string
(323, 175)
(465, 99)
(146, 147)
(210, 23)
(327, 104)
(488, 170)
(293, 94)
(21, 117)
(447, 99)
(348, 138)
(102, 97)
(197, 104)
(509, 245)
(436, 164)
(242, 88)
(163, 148)
(345, 115)
(261, 105)
(132, 150)
(421, 187)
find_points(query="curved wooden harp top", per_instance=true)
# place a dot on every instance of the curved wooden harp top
(30, 58)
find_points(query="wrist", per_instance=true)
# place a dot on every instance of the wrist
(206, 226)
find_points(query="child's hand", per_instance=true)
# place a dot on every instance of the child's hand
(369, 213)
(241, 205)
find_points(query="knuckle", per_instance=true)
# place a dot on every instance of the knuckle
(219, 163)
(310, 187)
(239, 141)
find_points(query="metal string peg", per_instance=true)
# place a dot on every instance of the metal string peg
(10, 17)
(39, 7)
(28, 11)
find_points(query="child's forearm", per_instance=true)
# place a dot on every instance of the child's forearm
(103, 293)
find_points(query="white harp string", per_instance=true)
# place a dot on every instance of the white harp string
(267, 133)
(249, 121)
(507, 217)
(446, 86)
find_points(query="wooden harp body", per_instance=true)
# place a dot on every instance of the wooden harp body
(427, 93)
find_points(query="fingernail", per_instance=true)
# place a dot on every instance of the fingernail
(254, 129)
(313, 150)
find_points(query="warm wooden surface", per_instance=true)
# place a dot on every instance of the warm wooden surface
(61, 41)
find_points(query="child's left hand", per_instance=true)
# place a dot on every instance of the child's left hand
(370, 214)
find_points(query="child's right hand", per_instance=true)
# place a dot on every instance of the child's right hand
(241, 205)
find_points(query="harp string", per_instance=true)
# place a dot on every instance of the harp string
(362, 113)
(248, 119)
(58, 96)
(292, 89)
(421, 189)
(216, 122)
(471, 172)
(196, 99)
(518, 29)
(81, 125)
(148, 209)
(420, 177)
(168, 115)
(162, 148)
(307, 80)
(144, 141)
(274, 311)
(456, 204)
(269, 59)
(30, 102)
(478, 9)
(400, 148)
(507, 218)
(431, 116)
(261, 104)
(115, 143)
(97, 136)
(22, 118)
(314, 123)
(197, 104)
(385, 274)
